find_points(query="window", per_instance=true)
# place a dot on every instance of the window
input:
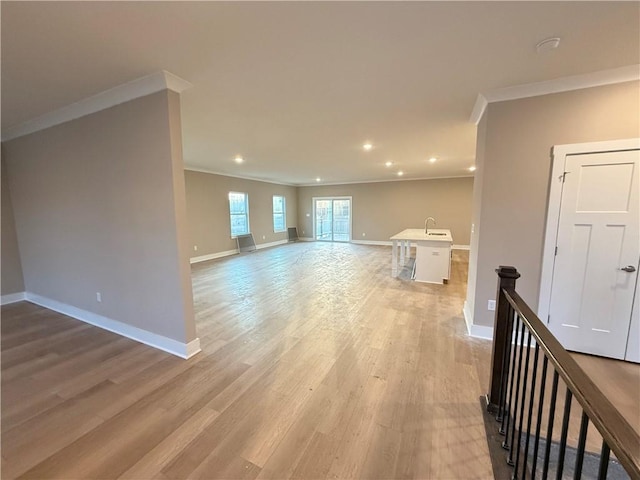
(239, 213)
(279, 213)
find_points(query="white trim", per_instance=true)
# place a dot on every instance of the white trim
(192, 348)
(386, 243)
(260, 246)
(559, 156)
(322, 184)
(212, 256)
(175, 83)
(140, 87)
(481, 331)
(254, 179)
(628, 73)
(180, 349)
(227, 253)
(476, 331)
(12, 298)
(306, 239)
(478, 109)
(222, 174)
(468, 318)
(461, 247)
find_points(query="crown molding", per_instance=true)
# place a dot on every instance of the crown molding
(629, 73)
(315, 184)
(221, 174)
(322, 184)
(140, 87)
(478, 109)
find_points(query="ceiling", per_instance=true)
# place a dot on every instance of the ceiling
(296, 88)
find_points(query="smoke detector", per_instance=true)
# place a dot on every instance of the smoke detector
(548, 44)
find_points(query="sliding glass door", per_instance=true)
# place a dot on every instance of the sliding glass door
(332, 219)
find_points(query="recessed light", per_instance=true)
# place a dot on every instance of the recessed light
(472, 169)
(238, 159)
(367, 146)
(388, 164)
(432, 160)
(400, 173)
(317, 179)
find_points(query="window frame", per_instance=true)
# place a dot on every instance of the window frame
(283, 213)
(245, 214)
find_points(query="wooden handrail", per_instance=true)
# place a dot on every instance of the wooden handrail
(622, 439)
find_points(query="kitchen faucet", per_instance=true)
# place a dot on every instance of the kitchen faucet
(426, 224)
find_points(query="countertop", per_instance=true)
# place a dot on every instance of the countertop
(418, 235)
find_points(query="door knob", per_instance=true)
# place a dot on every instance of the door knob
(629, 269)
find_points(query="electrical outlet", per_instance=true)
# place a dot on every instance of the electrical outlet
(364, 234)
(303, 232)
(264, 237)
(99, 297)
(195, 248)
(491, 305)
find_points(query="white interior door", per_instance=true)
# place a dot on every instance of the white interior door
(598, 253)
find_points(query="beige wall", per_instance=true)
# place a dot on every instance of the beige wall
(99, 204)
(383, 209)
(12, 281)
(208, 210)
(475, 216)
(515, 176)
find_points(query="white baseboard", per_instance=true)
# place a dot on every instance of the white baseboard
(271, 244)
(468, 318)
(384, 243)
(180, 349)
(212, 256)
(481, 331)
(192, 348)
(461, 247)
(477, 331)
(227, 253)
(12, 298)
(306, 239)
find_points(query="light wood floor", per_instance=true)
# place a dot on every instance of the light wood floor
(315, 364)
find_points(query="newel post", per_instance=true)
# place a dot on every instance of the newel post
(507, 277)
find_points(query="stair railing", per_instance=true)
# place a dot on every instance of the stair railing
(524, 354)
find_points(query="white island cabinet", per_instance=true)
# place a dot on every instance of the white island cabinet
(433, 253)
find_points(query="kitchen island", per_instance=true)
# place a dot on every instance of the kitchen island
(433, 253)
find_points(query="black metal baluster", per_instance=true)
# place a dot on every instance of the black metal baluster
(524, 394)
(504, 429)
(505, 366)
(530, 414)
(552, 413)
(582, 441)
(515, 404)
(543, 381)
(604, 461)
(563, 435)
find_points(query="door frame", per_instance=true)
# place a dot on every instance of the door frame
(559, 154)
(338, 197)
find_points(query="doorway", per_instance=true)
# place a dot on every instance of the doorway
(591, 257)
(332, 219)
